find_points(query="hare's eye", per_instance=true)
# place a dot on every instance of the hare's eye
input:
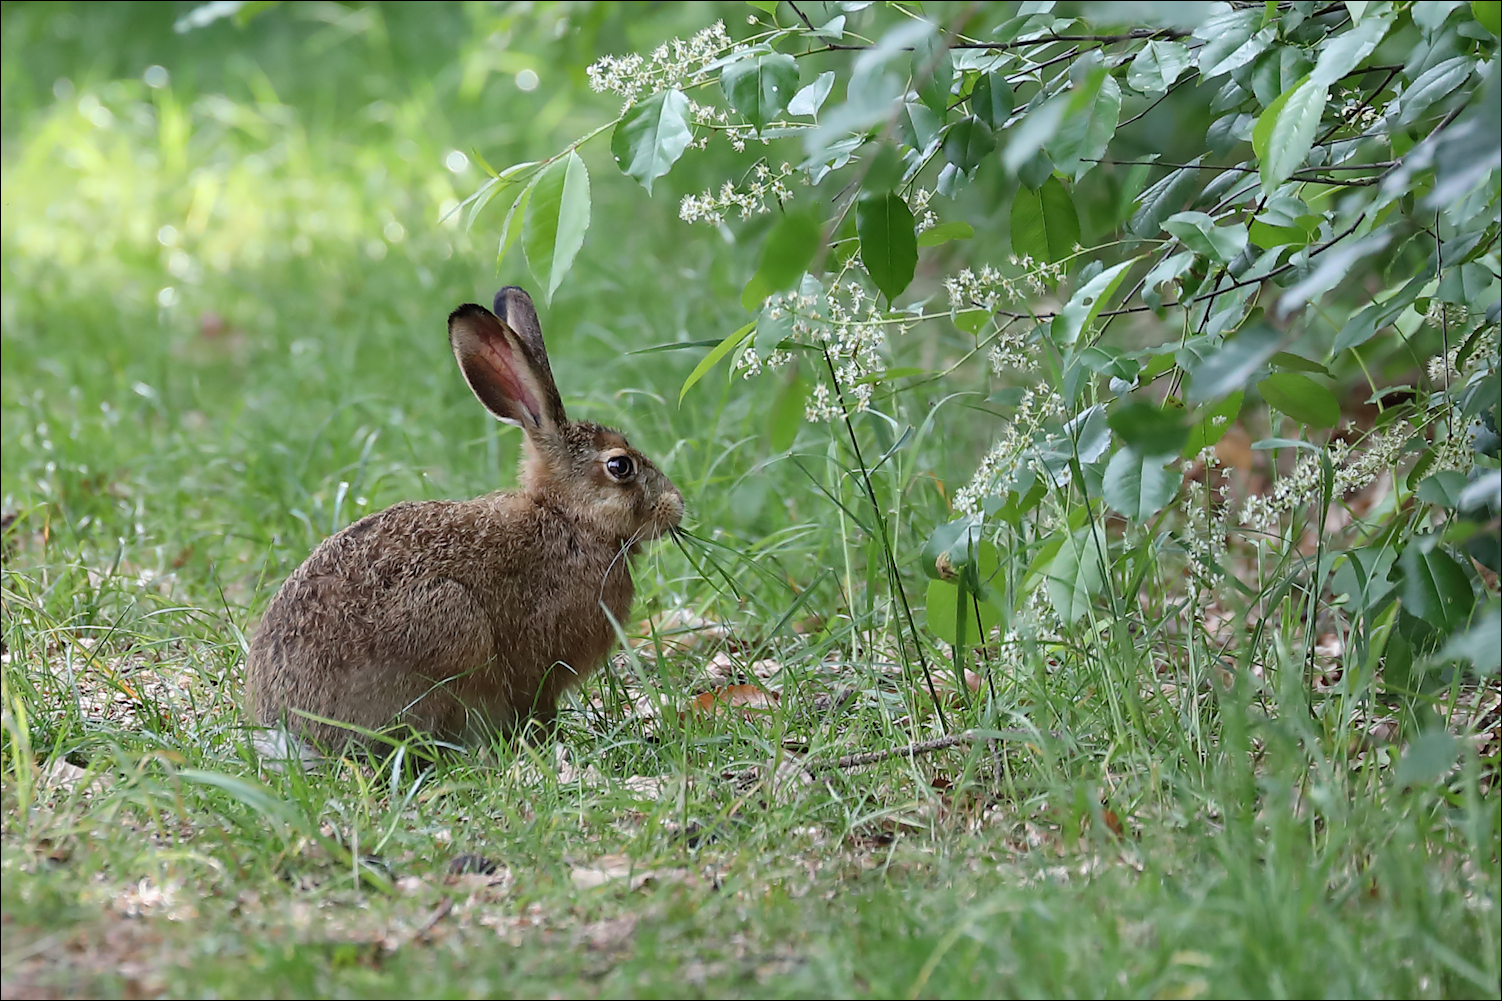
(620, 467)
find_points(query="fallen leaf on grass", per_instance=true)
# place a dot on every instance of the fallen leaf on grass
(610, 868)
(610, 934)
(64, 777)
(747, 698)
(646, 786)
(605, 869)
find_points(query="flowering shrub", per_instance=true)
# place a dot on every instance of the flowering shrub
(1312, 262)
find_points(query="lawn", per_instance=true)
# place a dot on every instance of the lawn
(229, 253)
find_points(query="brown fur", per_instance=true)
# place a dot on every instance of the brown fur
(463, 617)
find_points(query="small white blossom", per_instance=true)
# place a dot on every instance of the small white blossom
(675, 63)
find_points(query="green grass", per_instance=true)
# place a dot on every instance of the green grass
(171, 457)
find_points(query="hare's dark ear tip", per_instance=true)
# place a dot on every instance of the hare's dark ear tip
(510, 292)
(468, 310)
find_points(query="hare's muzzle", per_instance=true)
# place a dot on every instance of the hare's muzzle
(667, 513)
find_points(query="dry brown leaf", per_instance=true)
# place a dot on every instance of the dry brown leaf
(605, 869)
(610, 868)
(747, 698)
(610, 934)
(647, 786)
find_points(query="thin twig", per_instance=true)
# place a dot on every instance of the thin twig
(802, 16)
(1134, 34)
(912, 750)
(439, 912)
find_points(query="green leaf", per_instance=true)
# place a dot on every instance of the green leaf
(1165, 197)
(1289, 362)
(1109, 362)
(946, 617)
(1157, 66)
(760, 87)
(992, 100)
(1478, 645)
(1075, 577)
(1212, 427)
(511, 229)
(788, 251)
(1228, 369)
(709, 361)
(1198, 232)
(1044, 223)
(676, 346)
(832, 30)
(944, 232)
(1443, 488)
(1167, 270)
(932, 69)
(1435, 588)
(1488, 14)
(1301, 398)
(970, 321)
(773, 326)
(1344, 52)
(889, 247)
(1036, 130)
(651, 136)
(810, 99)
(968, 142)
(787, 412)
(1139, 486)
(1334, 265)
(1085, 305)
(1087, 129)
(1149, 430)
(755, 293)
(951, 543)
(557, 216)
(917, 125)
(1224, 36)
(1434, 84)
(1363, 576)
(1427, 759)
(1285, 132)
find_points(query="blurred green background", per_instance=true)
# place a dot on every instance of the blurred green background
(229, 252)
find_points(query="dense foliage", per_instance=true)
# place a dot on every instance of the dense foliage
(1317, 234)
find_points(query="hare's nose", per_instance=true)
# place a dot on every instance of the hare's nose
(670, 508)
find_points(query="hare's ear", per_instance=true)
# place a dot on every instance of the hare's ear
(503, 371)
(514, 307)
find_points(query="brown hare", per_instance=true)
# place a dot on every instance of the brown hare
(461, 618)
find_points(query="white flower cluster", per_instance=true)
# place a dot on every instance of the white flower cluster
(918, 204)
(1011, 351)
(675, 63)
(991, 288)
(1353, 471)
(750, 199)
(1356, 110)
(846, 324)
(1036, 407)
(1446, 371)
(1207, 513)
(1442, 315)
